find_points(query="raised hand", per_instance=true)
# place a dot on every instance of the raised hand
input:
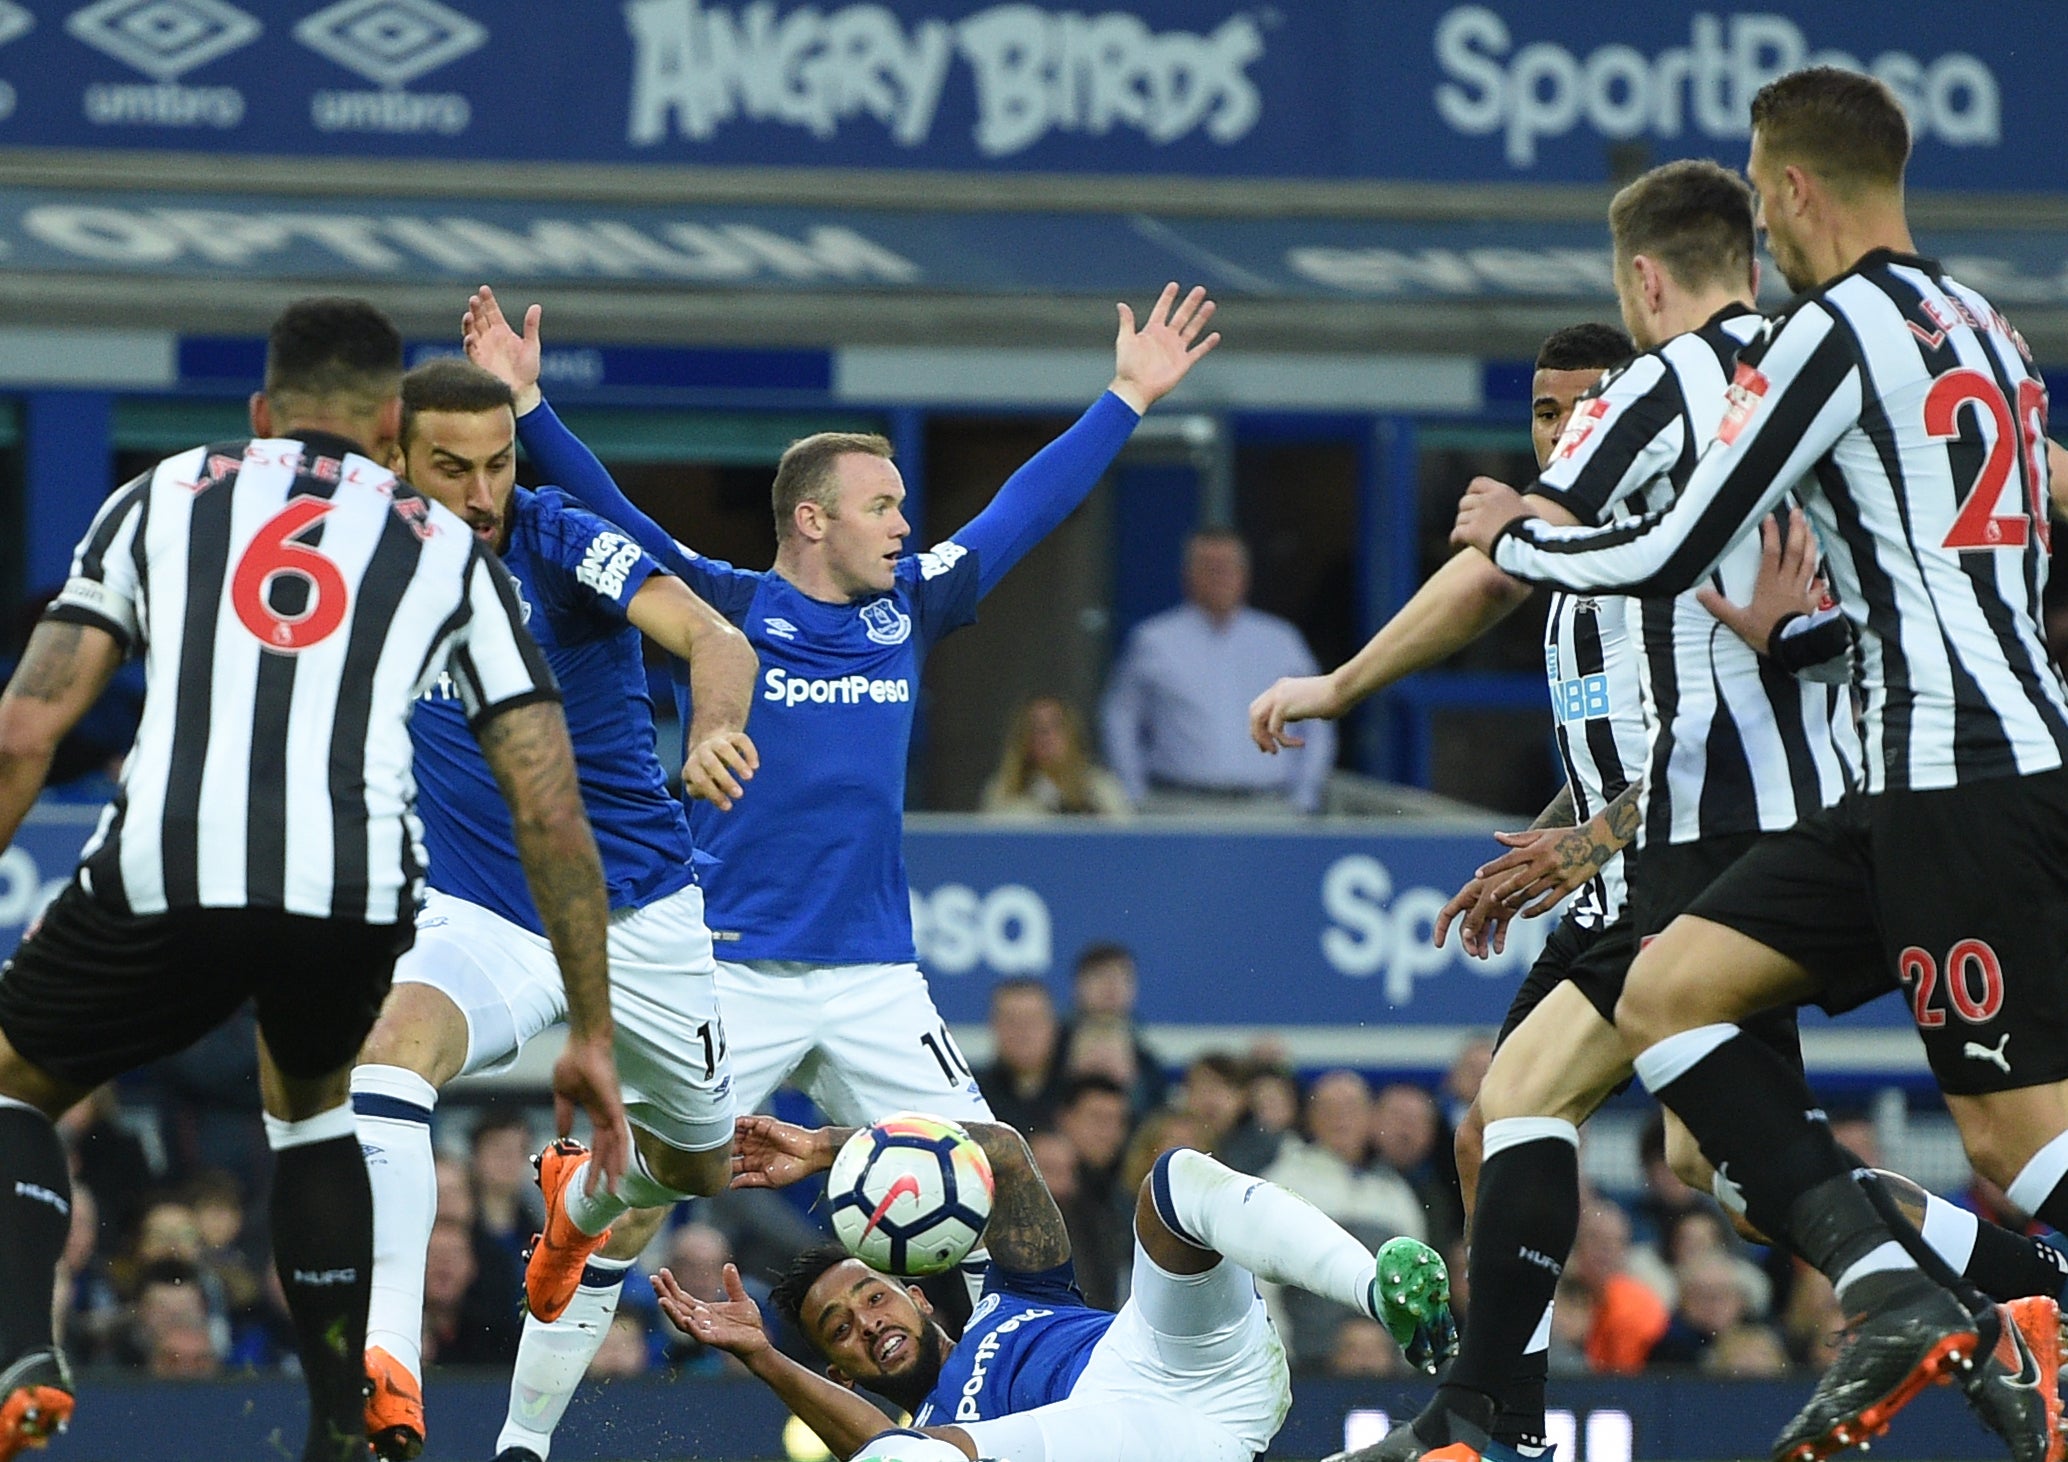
(767, 1153)
(1291, 698)
(1788, 583)
(1148, 362)
(732, 1324)
(717, 765)
(496, 348)
(1486, 508)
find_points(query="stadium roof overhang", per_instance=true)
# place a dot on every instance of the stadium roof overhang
(203, 245)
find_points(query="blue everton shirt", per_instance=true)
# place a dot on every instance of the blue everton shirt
(576, 574)
(832, 718)
(1026, 1343)
(810, 863)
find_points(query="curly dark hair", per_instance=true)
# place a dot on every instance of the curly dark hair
(803, 1273)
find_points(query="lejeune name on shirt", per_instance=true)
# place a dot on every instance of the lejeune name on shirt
(841, 690)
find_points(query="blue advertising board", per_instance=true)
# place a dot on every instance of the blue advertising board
(1234, 926)
(1427, 90)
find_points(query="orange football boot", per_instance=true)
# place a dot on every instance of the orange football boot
(394, 1408)
(553, 1266)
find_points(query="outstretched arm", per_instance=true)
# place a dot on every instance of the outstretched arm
(1148, 363)
(1025, 1234)
(842, 1419)
(61, 675)
(561, 455)
(722, 666)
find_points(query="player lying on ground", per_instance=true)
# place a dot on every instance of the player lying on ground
(819, 978)
(1190, 1370)
(291, 598)
(480, 981)
(1908, 414)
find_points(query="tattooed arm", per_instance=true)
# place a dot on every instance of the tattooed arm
(528, 750)
(1025, 1234)
(1485, 930)
(1542, 867)
(62, 673)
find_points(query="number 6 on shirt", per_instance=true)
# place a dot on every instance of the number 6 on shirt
(272, 554)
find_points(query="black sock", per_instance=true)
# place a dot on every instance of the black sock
(2008, 1266)
(35, 1218)
(1520, 1422)
(1757, 1122)
(323, 1248)
(1527, 1215)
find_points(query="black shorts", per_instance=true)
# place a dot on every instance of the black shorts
(93, 992)
(1958, 896)
(1595, 960)
(1668, 881)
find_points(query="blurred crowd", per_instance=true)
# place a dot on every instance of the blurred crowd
(168, 1271)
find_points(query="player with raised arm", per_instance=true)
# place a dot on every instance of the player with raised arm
(290, 598)
(819, 977)
(1190, 1370)
(1742, 748)
(1908, 414)
(480, 981)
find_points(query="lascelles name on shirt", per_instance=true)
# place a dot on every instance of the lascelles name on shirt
(840, 690)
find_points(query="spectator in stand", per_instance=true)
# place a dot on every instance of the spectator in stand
(1711, 1302)
(1665, 1198)
(1094, 1119)
(1105, 985)
(496, 1271)
(1215, 1093)
(1572, 1327)
(1362, 1348)
(112, 1161)
(168, 1294)
(1332, 1168)
(1048, 771)
(697, 1254)
(1746, 1353)
(1176, 712)
(1814, 1320)
(1625, 1317)
(88, 1313)
(1275, 1102)
(1409, 1137)
(1024, 1080)
(183, 1352)
(464, 1324)
(625, 1350)
(1160, 1132)
(507, 1205)
(216, 1199)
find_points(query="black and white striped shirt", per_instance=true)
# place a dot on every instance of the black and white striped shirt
(291, 599)
(1592, 664)
(1908, 416)
(1737, 744)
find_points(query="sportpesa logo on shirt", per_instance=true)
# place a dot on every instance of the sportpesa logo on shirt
(604, 566)
(842, 690)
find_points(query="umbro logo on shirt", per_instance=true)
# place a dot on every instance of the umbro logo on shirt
(782, 629)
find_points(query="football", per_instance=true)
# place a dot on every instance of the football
(902, 1444)
(910, 1195)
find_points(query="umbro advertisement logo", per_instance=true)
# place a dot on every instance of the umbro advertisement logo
(780, 629)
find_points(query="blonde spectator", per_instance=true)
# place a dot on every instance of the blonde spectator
(1048, 771)
(1746, 1352)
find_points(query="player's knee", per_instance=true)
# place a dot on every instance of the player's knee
(1644, 1011)
(419, 1030)
(633, 1231)
(700, 1174)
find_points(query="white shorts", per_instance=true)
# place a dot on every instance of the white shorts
(1192, 1371)
(671, 1054)
(863, 1041)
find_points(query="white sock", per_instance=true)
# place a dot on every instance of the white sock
(1884, 1257)
(2037, 1180)
(551, 1358)
(1950, 1230)
(1276, 1235)
(392, 1107)
(592, 1213)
